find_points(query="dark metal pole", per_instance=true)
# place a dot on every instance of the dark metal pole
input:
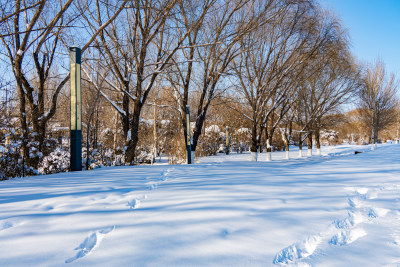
(227, 141)
(76, 109)
(188, 142)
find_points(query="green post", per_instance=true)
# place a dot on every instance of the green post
(188, 141)
(76, 109)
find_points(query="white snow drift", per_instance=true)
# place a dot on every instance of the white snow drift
(338, 209)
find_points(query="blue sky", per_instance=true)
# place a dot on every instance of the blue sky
(374, 28)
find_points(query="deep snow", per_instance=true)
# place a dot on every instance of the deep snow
(338, 209)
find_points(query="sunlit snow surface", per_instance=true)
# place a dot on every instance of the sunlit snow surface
(338, 209)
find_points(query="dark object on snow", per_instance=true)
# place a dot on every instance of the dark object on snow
(357, 152)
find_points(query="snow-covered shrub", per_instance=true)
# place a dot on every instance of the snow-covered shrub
(143, 156)
(118, 157)
(56, 161)
(95, 158)
(12, 163)
(210, 142)
(329, 137)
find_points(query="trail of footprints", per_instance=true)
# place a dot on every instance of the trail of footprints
(339, 232)
(94, 239)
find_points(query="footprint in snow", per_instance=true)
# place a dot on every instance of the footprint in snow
(363, 192)
(9, 223)
(134, 204)
(90, 243)
(377, 212)
(224, 233)
(355, 202)
(345, 237)
(152, 186)
(298, 250)
(354, 218)
(165, 174)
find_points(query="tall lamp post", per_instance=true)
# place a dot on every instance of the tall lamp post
(76, 109)
(227, 145)
(188, 141)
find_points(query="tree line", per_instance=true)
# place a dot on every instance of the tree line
(282, 67)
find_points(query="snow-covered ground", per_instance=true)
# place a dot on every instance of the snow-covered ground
(338, 209)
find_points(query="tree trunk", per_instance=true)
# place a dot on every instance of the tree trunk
(318, 141)
(132, 142)
(376, 132)
(125, 106)
(24, 125)
(254, 143)
(286, 142)
(115, 133)
(310, 145)
(199, 126)
(300, 145)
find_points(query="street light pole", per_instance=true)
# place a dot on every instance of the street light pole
(188, 141)
(227, 145)
(76, 109)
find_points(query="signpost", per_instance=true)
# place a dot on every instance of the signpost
(188, 141)
(76, 109)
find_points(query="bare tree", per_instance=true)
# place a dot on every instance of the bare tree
(378, 99)
(32, 42)
(7, 11)
(207, 59)
(180, 74)
(272, 63)
(328, 81)
(138, 47)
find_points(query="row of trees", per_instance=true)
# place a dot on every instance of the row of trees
(283, 67)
